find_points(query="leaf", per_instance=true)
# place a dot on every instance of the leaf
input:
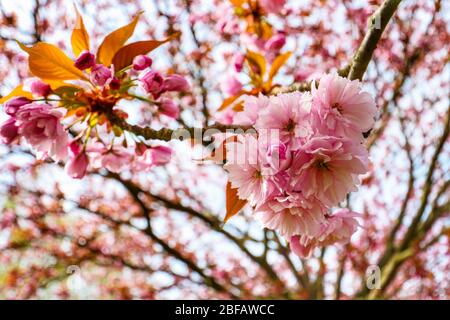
(230, 100)
(48, 62)
(237, 3)
(80, 37)
(124, 57)
(277, 64)
(257, 63)
(233, 203)
(17, 92)
(114, 41)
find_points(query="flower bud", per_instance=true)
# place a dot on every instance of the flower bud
(152, 82)
(39, 88)
(114, 84)
(239, 62)
(175, 82)
(276, 42)
(160, 155)
(85, 60)
(169, 108)
(142, 62)
(12, 105)
(9, 131)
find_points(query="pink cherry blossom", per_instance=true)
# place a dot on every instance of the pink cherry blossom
(245, 166)
(272, 6)
(152, 82)
(337, 228)
(100, 75)
(292, 214)
(328, 168)
(160, 155)
(288, 114)
(230, 85)
(252, 107)
(9, 131)
(340, 107)
(114, 158)
(40, 125)
(77, 163)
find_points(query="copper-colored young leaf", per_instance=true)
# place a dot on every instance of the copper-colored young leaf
(16, 92)
(230, 100)
(237, 3)
(48, 62)
(257, 63)
(114, 41)
(277, 64)
(124, 57)
(233, 203)
(80, 37)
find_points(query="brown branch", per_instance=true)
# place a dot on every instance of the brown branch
(209, 280)
(211, 221)
(407, 247)
(377, 23)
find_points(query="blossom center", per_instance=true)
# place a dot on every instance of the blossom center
(322, 164)
(338, 107)
(290, 126)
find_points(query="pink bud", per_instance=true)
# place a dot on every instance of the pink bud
(100, 75)
(169, 108)
(85, 60)
(161, 155)
(175, 82)
(152, 82)
(78, 161)
(39, 88)
(276, 42)
(12, 105)
(9, 131)
(239, 59)
(142, 62)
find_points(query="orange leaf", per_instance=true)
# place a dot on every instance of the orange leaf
(114, 41)
(17, 92)
(48, 62)
(230, 100)
(257, 63)
(124, 57)
(233, 203)
(237, 3)
(80, 37)
(277, 64)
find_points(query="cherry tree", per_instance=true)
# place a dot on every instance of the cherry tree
(225, 149)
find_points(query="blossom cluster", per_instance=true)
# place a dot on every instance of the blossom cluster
(46, 125)
(306, 156)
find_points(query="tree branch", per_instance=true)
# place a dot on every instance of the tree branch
(377, 23)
